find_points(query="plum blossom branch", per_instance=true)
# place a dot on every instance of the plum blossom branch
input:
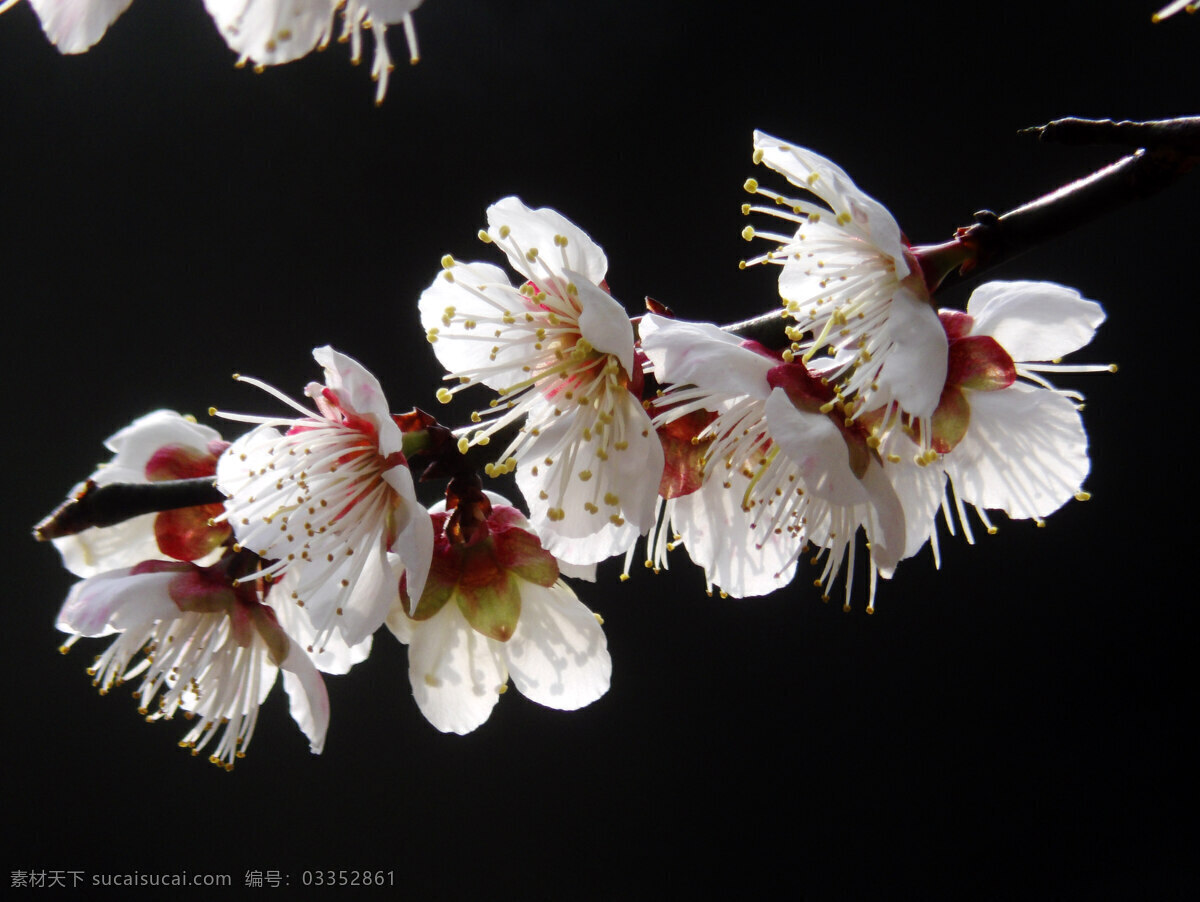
(92, 505)
(1167, 150)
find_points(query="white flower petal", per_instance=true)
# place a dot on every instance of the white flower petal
(700, 354)
(132, 541)
(414, 543)
(1034, 321)
(271, 32)
(920, 490)
(614, 504)
(456, 673)
(915, 369)
(308, 700)
(360, 392)
(720, 537)
(115, 601)
(537, 230)
(886, 521)
(373, 593)
(1025, 452)
(75, 25)
(558, 655)
(472, 293)
(603, 322)
(864, 216)
(816, 446)
(334, 654)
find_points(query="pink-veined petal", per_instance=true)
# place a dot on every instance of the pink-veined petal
(117, 600)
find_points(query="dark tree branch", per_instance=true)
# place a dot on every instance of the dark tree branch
(104, 505)
(1183, 134)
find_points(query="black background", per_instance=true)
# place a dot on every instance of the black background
(1012, 726)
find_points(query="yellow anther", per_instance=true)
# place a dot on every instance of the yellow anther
(748, 233)
(447, 261)
(444, 395)
(751, 185)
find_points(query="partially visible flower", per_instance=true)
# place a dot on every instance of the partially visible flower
(73, 26)
(1010, 441)
(332, 499)
(261, 32)
(494, 607)
(209, 647)
(559, 350)
(271, 32)
(162, 445)
(1177, 6)
(852, 285)
(784, 451)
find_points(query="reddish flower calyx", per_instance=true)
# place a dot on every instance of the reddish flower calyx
(482, 554)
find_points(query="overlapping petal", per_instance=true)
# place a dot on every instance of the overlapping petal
(560, 351)
(151, 447)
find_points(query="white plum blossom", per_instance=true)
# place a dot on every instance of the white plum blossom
(73, 26)
(783, 452)
(852, 286)
(560, 352)
(1009, 440)
(494, 607)
(208, 647)
(331, 499)
(159, 446)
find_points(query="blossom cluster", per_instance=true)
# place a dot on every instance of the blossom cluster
(872, 413)
(261, 32)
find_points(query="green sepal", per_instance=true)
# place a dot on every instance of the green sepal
(493, 607)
